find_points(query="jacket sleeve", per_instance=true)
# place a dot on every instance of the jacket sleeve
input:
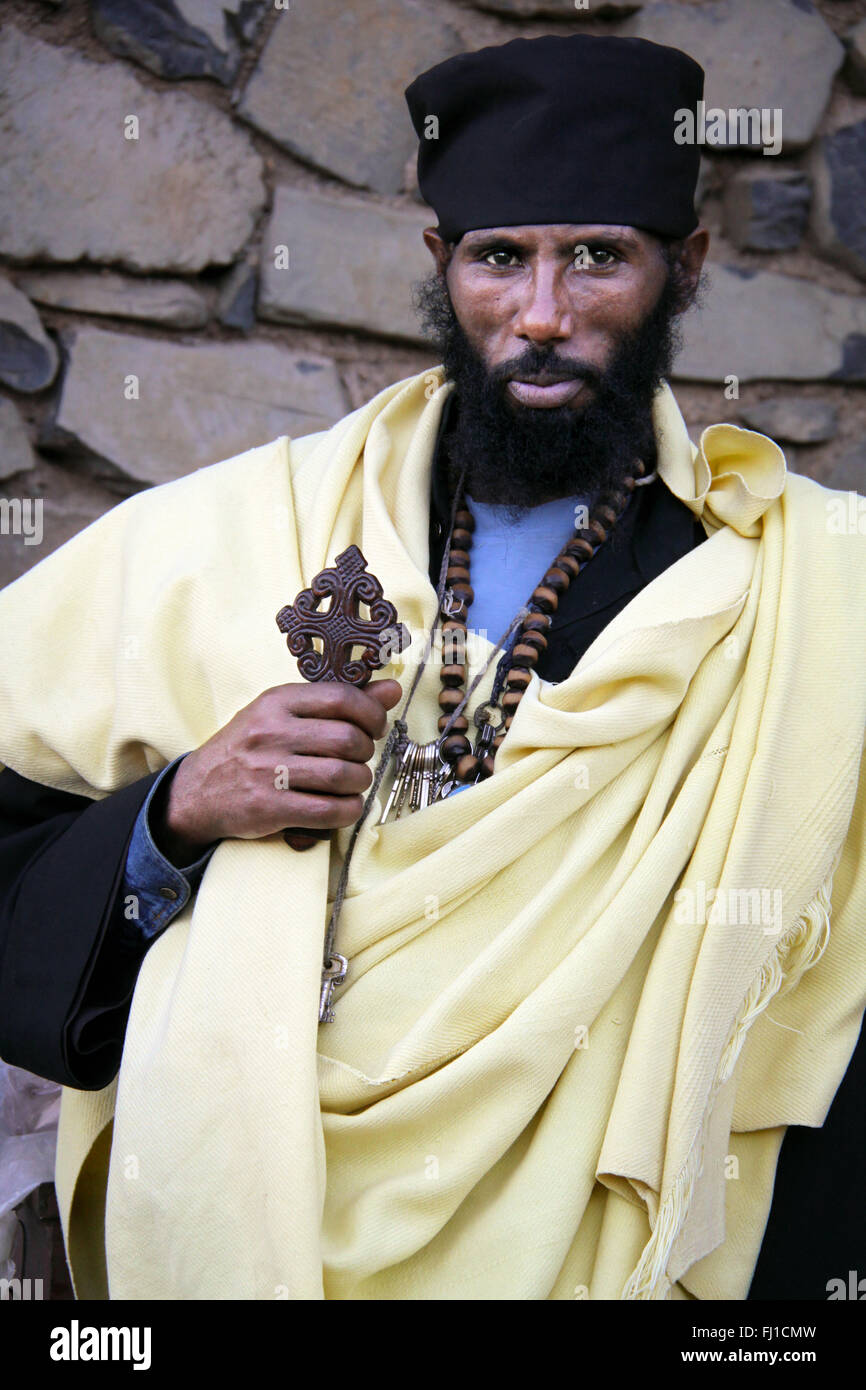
(67, 967)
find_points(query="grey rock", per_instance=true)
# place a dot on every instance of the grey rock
(56, 504)
(170, 302)
(559, 9)
(776, 54)
(16, 453)
(350, 263)
(709, 180)
(793, 419)
(839, 208)
(849, 472)
(759, 324)
(194, 404)
(28, 357)
(767, 209)
(236, 307)
(354, 123)
(184, 195)
(855, 63)
(179, 38)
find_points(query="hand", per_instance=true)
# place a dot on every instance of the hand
(296, 756)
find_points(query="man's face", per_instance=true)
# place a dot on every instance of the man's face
(556, 338)
(573, 291)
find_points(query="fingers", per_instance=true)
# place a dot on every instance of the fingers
(337, 700)
(327, 738)
(389, 692)
(316, 811)
(331, 776)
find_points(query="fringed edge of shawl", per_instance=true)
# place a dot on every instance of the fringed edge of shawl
(797, 951)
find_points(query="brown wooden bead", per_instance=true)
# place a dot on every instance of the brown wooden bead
(458, 726)
(454, 747)
(545, 598)
(498, 741)
(510, 700)
(581, 547)
(638, 468)
(568, 564)
(597, 530)
(452, 675)
(614, 499)
(466, 768)
(518, 679)
(457, 573)
(449, 700)
(509, 720)
(453, 625)
(487, 767)
(557, 580)
(464, 519)
(606, 514)
(461, 538)
(458, 557)
(526, 654)
(537, 622)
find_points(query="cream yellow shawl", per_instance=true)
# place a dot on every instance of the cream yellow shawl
(553, 1071)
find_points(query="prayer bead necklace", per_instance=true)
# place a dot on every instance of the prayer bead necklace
(429, 772)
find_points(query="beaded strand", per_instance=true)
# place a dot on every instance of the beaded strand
(532, 636)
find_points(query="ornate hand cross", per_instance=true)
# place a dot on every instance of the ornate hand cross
(339, 628)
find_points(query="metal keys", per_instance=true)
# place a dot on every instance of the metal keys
(423, 777)
(418, 779)
(334, 973)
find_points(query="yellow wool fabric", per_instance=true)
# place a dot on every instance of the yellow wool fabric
(549, 1076)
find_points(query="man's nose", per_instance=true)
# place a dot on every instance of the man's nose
(545, 315)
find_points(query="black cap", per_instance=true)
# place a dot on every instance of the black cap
(577, 128)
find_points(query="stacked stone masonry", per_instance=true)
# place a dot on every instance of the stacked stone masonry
(210, 228)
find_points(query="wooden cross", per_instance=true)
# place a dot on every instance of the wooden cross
(348, 583)
(340, 628)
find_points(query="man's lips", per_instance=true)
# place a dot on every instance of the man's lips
(545, 391)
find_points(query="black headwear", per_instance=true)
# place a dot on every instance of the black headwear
(578, 128)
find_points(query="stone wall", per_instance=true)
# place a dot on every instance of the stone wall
(209, 229)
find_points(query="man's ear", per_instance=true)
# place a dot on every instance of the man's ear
(440, 250)
(691, 258)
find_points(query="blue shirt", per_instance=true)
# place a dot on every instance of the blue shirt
(509, 558)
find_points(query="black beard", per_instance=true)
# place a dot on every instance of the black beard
(519, 456)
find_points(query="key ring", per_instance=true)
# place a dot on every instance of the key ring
(482, 719)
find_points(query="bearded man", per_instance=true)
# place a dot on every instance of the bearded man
(592, 901)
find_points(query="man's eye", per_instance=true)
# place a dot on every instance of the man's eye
(488, 257)
(586, 256)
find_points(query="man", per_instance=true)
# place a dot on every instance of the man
(585, 997)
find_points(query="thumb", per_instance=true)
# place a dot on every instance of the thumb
(387, 692)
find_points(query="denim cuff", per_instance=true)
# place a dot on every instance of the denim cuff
(155, 890)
